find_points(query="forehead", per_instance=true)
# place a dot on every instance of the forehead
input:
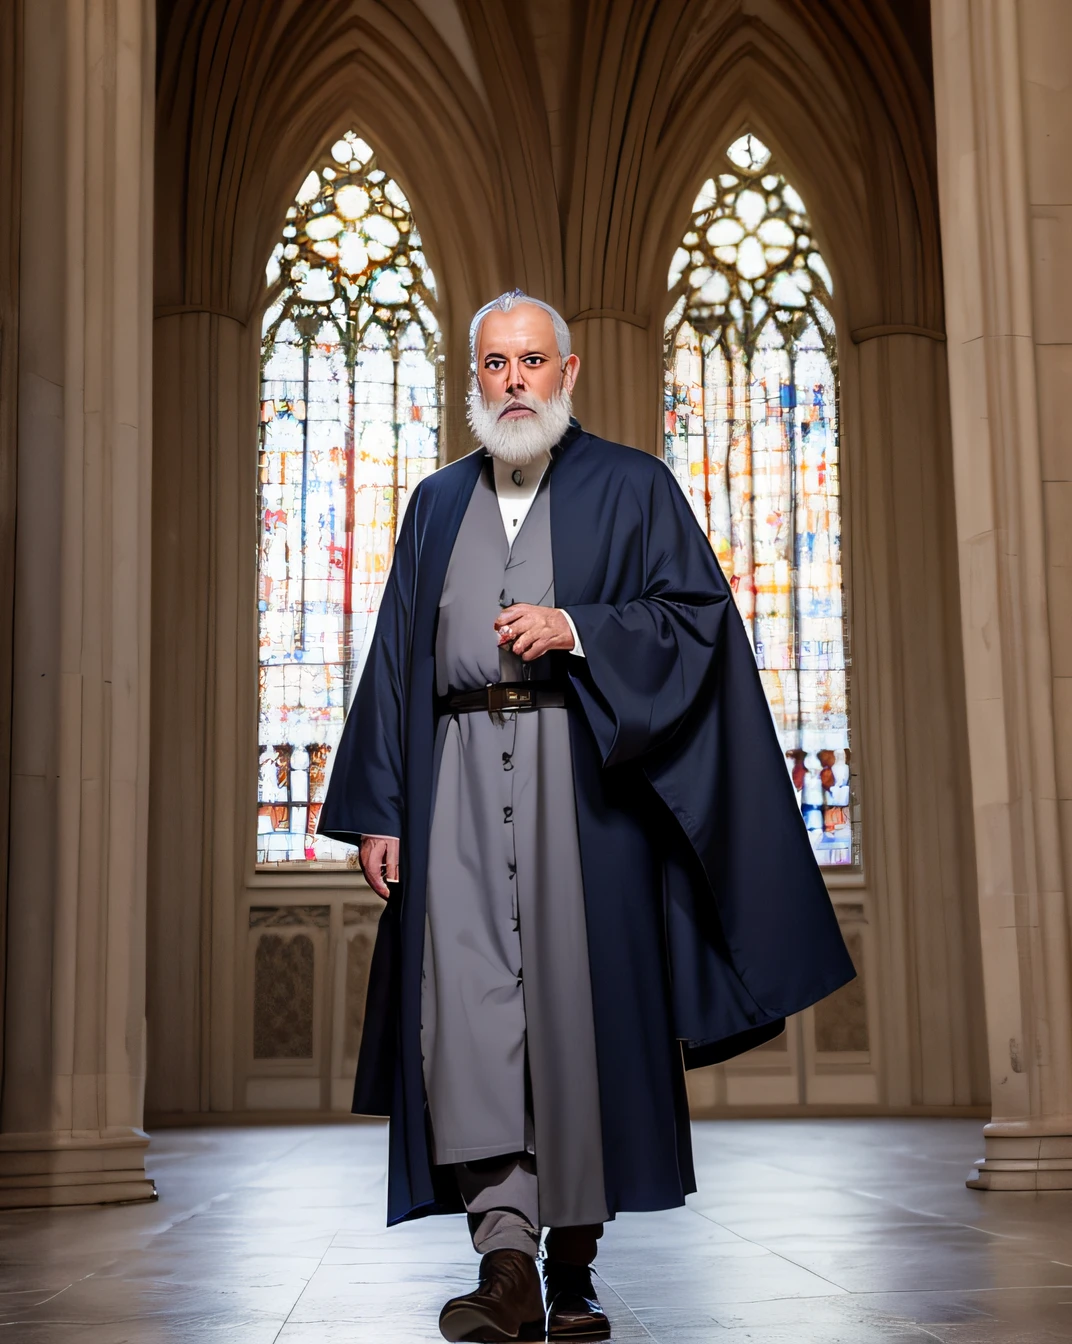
(525, 327)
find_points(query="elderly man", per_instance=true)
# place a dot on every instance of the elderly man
(561, 752)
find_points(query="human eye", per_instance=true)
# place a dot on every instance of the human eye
(494, 363)
(534, 361)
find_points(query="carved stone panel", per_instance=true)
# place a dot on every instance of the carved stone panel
(284, 980)
(841, 1019)
(359, 930)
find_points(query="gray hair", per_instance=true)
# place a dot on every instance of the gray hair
(512, 299)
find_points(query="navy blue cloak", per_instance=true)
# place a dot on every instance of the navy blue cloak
(708, 918)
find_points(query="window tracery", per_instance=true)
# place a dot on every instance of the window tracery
(350, 400)
(751, 433)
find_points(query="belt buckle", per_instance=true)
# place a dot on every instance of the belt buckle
(505, 699)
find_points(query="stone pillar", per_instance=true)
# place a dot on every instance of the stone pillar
(204, 699)
(1001, 84)
(71, 1106)
(620, 388)
(907, 706)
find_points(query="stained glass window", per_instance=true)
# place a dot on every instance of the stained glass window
(751, 396)
(350, 396)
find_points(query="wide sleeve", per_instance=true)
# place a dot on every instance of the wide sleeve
(366, 787)
(647, 660)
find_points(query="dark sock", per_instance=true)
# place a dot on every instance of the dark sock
(573, 1245)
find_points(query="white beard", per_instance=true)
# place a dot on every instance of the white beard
(519, 441)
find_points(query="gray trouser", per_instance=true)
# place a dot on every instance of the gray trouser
(501, 1199)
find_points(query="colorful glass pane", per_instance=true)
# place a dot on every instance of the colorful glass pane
(752, 436)
(350, 397)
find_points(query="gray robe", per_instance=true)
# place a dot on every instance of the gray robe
(506, 977)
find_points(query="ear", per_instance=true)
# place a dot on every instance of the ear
(570, 370)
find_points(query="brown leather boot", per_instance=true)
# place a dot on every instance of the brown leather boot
(506, 1306)
(573, 1310)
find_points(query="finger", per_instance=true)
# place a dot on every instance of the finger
(391, 861)
(522, 642)
(537, 650)
(511, 614)
(522, 629)
(375, 881)
(372, 865)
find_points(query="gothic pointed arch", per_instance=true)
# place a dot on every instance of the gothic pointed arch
(351, 376)
(752, 435)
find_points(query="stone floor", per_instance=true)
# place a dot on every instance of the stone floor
(804, 1232)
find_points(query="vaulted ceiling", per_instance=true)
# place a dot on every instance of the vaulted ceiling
(578, 128)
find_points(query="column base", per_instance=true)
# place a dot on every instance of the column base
(1025, 1155)
(56, 1170)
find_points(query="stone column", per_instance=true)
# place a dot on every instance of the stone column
(1008, 260)
(620, 388)
(907, 707)
(204, 744)
(71, 1107)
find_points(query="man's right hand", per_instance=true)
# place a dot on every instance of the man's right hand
(379, 859)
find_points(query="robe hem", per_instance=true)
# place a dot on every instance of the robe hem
(451, 1156)
(435, 1208)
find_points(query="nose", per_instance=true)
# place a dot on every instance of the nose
(517, 378)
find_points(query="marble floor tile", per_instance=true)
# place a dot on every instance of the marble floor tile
(801, 1232)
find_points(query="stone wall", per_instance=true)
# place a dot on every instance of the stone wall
(558, 149)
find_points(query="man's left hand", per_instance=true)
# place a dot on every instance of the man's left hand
(533, 631)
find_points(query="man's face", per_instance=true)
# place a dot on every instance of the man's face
(517, 359)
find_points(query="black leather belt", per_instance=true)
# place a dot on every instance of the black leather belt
(503, 698)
